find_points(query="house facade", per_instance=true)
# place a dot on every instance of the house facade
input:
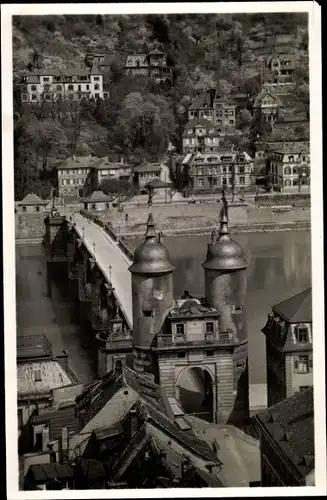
(106, 169)
(290, 167)
(146, 173)
(223, 168)
(200, 135)
(210, 106)
(282, 67)
(269, 105)
(289, 355)
(56, 84)
(31, 204)
(287, 441)
(153, 65)
(97, 201)
(74, 175)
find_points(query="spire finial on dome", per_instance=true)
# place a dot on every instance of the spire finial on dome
(223, 230)
(150, 231)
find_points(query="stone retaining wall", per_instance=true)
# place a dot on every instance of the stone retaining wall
(30, 226)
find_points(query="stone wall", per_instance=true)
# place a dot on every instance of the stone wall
(30, 226)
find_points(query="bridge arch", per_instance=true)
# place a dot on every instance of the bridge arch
(196, 390)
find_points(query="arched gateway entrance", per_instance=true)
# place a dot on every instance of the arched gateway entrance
(196, 392)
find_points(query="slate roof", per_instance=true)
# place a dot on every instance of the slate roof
(262, 95)
(191, 307)
(186, 438)
(58, 419)
(43, 473)
(148, 167)
(297, 309)
(52, 377)
(33, 346)
(104, 163)
(155, 52)
(32, 200)
(203, 100)
(78, 162)
(198, 121)
(97, 197)
(290, 424)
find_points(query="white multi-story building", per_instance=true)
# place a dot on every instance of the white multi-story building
(290, 166)
(66, 84)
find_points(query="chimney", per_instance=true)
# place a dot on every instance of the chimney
(74, 157)
(121, 160)
(63, 360)
(134, 422)
(45, 438)
(185, 465)
(64, 444)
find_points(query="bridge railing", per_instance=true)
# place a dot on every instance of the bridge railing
(96, 220)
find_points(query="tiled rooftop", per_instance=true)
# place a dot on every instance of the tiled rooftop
(296, 309)
(78, 162)
(290, 423)
(52, 376)
(97, 197)
(58, 418)
(31, 199)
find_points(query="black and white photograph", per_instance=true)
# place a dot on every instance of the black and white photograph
(164, 252)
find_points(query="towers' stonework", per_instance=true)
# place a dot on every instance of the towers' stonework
(225, 289)
(152, 290)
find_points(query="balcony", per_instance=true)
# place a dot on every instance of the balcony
(224, 338)
(121, 340)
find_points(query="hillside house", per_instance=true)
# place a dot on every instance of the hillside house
(31, 204)
(221, 112)
(153, 65)
(75, 175)
(56, 84)
(146, 173)
(290, 166)
(200, 135)
(105, 169)
(282, 67)
(269, 105)
(221, 169)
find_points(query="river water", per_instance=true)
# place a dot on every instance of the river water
(279, 265)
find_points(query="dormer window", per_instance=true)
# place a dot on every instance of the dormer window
(237, 309)
(37, 376)
(147, 314)
(302, 334)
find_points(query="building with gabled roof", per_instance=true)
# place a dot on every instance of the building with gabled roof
(282, 67)
(287, 441)
(152, 65)
(31, 203)
(219, 111)
(97, 200)
(290, 166)
(269, 105)
(55, 84)
(289, 354)
(39, 374)
(200, 135)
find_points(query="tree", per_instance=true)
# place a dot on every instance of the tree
(117, 187)
(245, 118)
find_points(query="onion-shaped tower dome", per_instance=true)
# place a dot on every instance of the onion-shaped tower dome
(225, 253)
(151, 256)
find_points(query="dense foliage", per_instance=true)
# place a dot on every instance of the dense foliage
(140, 117)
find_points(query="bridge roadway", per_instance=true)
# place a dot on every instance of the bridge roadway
(108, 253)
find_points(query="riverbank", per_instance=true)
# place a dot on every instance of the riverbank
(238, 229)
